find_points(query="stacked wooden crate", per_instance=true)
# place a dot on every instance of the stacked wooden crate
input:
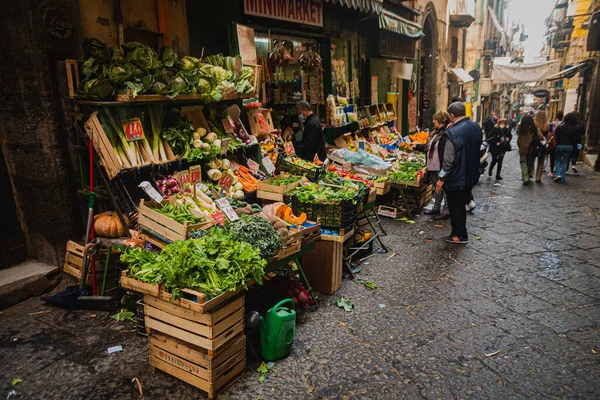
(198, 340)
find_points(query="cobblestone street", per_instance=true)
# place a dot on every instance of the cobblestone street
(513, 314)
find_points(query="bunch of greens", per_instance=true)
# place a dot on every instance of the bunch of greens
(197, 154)
(259, 233)
(180, 213)
(313, 193)
(285, 180)
(405, 171)
(179, 132)
(211, 265)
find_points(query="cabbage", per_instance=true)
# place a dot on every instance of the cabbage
(96, 89)
(203, 86)
(96, 49)
(188, 63)
(168, 56)
(141, 55)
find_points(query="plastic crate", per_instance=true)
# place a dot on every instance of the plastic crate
(337, 216)
(139, 317)
(312, 175)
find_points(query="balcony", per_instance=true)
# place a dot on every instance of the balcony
(463, 14)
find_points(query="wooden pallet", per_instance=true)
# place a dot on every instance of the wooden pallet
(193, 365)
(209, 331)
(163, 227)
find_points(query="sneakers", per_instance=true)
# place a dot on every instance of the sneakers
(551, 174)
(498, 178)
(557, 179)
(470, 206)
(431, 212)
(575, 171)
(453, 239)
(441, 217)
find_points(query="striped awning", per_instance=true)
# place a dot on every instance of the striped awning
(366, 6)
(394, 23)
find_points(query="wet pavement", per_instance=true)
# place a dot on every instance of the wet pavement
(513, 314)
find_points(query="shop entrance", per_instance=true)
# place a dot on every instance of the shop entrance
(427, 84)
(12, 240)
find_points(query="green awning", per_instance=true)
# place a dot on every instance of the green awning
(394, 23)
(366, 6)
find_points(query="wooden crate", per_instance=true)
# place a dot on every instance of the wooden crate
(323, 266)
(141, 98)
(74, 260)
(210, 330)
(265, 190)
(342, 238)
(418, 197)
(311, 234)
(72, 68)
(199, 302)
(390, 212)
(292, 244)
(382, 188)
(372, 196)
(130, 283)
(193, 365)
(163, 227)
(255, 127)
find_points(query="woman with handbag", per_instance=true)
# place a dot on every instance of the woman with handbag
(567, 136)
(499, 140)
(526, 133)
(551, 142)
(539, 150)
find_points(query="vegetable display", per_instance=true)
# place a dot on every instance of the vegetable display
(139, 69)
(405, 171)
(180, 213)
(314, 193)
(285, 180)
(258, 232)
(211, 265)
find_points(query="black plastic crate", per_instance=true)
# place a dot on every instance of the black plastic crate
(334, 216)
(312, 175)
(139, 317)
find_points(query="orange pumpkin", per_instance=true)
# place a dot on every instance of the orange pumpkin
(109, 225)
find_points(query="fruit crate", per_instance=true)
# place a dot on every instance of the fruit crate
(163, 227)
(292, 244)
(382, 187)
(193, 365)
(209, 330)
(74, 260)
(331, 216)
(312, 175)
(311, 232)
(265, 190)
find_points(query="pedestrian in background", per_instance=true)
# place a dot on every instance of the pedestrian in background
(539, 152)
(567, 135)
(489, 123)
(313, 139)
(441, 119)
(526, 133)
(460, 168)
(499, 140)
(551, 142)
(575, 156)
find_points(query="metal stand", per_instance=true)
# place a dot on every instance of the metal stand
(367, 213)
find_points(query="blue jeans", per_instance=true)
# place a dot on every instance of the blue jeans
(563, 154)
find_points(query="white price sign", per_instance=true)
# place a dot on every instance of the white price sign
(226, 208)
(253, 165)
(268, 165)
(224, 144)
(151, 192)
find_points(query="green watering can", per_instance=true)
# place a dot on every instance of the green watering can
(277, 330)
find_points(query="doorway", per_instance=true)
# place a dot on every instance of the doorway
(427, 75)
(12, 241)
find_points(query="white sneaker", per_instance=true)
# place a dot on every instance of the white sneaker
(470, 206)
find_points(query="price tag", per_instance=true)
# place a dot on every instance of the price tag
(266, 161)
(201, 187)
(289, 148)
(253, 166)
(133, 129)
(195, 174)
(219, 217)
(151, 192)
(383, 152)
(183, 177)
(227, 125)
(224, 205)
(224, 144)
(226, 182)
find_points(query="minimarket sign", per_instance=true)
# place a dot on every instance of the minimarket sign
(307, 12)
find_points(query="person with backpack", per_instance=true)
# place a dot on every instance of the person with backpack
(567, 136)
(528, 135)
(551, 142)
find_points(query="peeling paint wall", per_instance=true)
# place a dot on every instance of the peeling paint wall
(98, 20)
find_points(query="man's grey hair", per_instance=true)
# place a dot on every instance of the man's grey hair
(457, 109)
(303, 105)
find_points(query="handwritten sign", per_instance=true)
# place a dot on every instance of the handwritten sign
(268, 164)
(383, 151)
(412, 114)
(224, 144)
(253, 166)
(219, 217)
(226, 182)
(224, 206)
(183, 177)
(133, 129)
(289, 148)
(151, 192)
(195, 174)
(227, 125)
(201, 187)
(246, 44)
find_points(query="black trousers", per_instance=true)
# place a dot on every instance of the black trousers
(497, 158)
(458, 213)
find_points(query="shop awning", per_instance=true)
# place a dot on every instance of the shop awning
(394, 23)
(366, 6)
(571, 72)
(460, 75)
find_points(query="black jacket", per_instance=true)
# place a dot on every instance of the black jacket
(488, 125)
(313, 140)
(466, 137)
(499, 139)
(569, 135)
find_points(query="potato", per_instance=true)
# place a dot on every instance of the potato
(283, 232)
(280, 225)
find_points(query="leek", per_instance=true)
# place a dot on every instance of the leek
(128, 147)
(157, 116)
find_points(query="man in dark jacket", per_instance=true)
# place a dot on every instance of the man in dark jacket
(489, 123)
(460, 168)
(313, 140)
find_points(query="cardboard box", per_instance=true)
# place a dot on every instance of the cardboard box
(323, 266)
